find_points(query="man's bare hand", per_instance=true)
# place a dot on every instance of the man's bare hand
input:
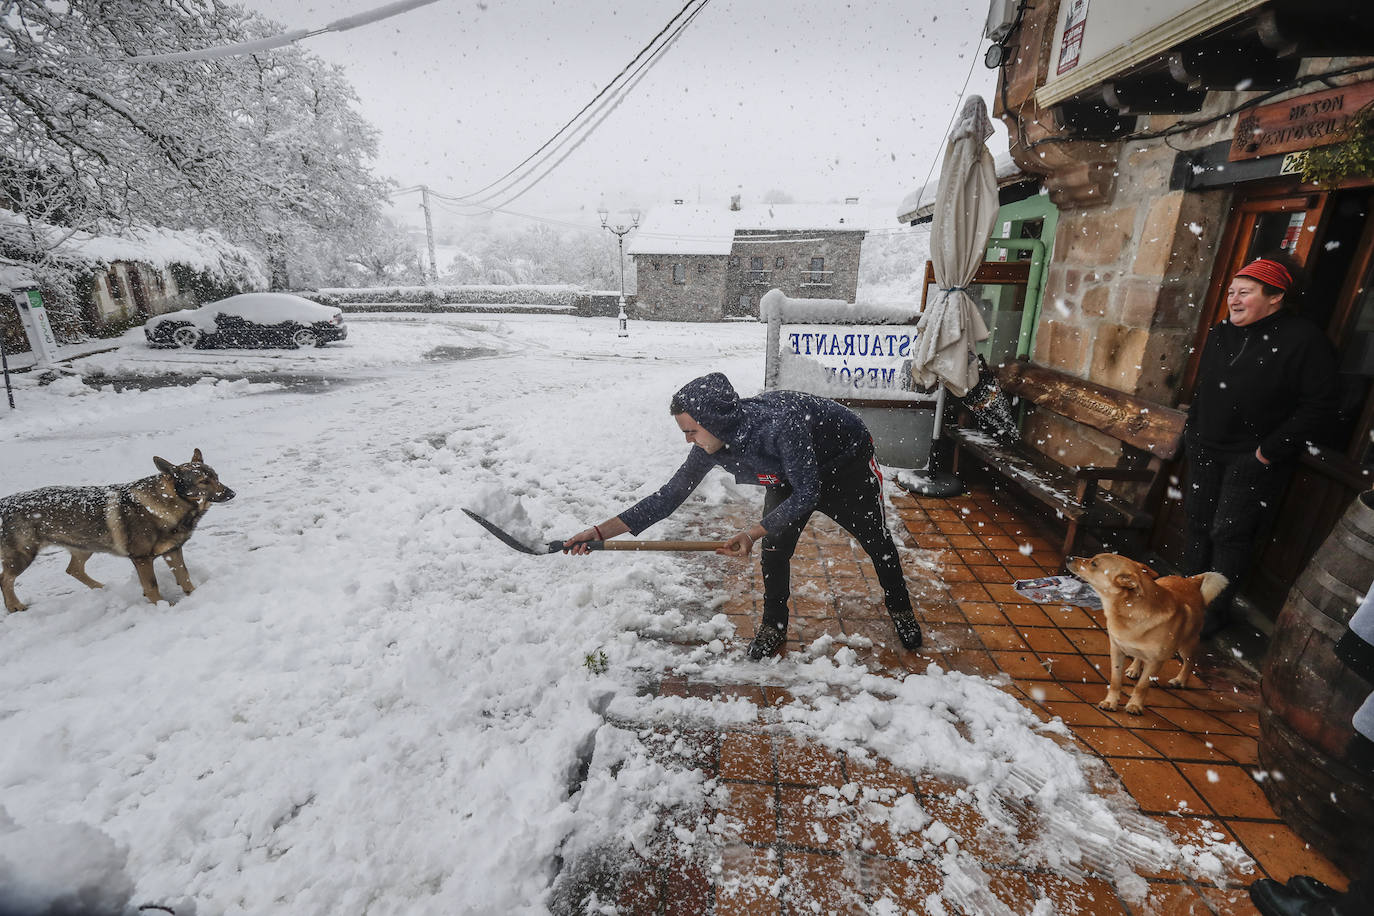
(738, 546)
(576, 544)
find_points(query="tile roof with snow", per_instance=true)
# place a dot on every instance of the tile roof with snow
(695, 229)
(199, 249)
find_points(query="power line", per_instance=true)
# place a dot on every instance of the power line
(276, 41)
(571, 121)
(608, 106)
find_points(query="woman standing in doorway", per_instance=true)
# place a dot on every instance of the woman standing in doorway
(1266, 389)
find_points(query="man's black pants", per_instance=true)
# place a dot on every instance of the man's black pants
(852, 496)
(1230, 499)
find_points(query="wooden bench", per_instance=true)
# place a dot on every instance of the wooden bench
(1150, 434)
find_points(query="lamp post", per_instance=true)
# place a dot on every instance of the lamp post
(620, 230)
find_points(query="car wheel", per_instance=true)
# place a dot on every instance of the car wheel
(305, 337)
(186, 336)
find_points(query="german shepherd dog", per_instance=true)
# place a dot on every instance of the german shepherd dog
(142, 520)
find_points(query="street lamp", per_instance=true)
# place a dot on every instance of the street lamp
(620, 230)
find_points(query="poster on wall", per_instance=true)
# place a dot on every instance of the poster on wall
(1071, 48)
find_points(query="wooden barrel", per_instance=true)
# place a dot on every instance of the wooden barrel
(1306, 737)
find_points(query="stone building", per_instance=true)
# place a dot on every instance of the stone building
(695, 263)
(1170, 137)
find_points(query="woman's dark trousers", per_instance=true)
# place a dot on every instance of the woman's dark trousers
(852, 496)
(1230, 499)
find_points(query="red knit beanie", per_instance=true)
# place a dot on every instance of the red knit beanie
(1270, 273)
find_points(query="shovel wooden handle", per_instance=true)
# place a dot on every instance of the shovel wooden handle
(556, 546)
(656, 545)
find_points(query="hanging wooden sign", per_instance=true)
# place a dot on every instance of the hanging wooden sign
(1299, 123)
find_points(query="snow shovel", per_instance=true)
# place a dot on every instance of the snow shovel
(555, 546)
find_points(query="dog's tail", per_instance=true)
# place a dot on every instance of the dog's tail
(1213, 584)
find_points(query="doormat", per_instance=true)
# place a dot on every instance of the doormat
(1058, 590)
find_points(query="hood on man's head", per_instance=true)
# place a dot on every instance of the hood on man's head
(712, 402)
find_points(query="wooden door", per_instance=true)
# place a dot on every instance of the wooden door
(1332, 236)
(1259, 224)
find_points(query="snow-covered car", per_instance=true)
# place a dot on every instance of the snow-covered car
(249, 320)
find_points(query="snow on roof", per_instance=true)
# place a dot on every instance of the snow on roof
(198, 249)
(684, 229)
(696, 229)
(921, 201)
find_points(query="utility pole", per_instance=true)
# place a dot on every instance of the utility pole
(620, 230)
(429, 235)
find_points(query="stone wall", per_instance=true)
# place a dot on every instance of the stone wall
(699, 297)
(714, 287)
(1126, 289)
(795, 249)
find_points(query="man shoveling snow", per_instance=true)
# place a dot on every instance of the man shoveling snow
(810, 454)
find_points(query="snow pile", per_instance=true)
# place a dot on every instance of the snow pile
(61, 868)
(69, 404)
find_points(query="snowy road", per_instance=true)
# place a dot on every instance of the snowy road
(369, 705)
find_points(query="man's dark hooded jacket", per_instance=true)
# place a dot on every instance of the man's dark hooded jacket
(777, 437)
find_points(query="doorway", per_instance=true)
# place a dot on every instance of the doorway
(1331, 235)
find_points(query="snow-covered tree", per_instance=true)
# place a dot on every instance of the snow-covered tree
(266, 147)
(385, 255)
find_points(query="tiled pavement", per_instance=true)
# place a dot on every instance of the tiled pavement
(1187, 762)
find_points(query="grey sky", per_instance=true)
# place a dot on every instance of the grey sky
(817, 98)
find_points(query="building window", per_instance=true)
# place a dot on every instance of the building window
(817, 275)
(679, 274)
(757, 272)
(778, 263)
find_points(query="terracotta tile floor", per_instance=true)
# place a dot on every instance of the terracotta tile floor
(1186, 761)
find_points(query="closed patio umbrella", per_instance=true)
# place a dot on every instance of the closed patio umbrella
(965, 212)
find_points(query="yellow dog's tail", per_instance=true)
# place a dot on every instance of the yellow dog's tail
(1213, 584)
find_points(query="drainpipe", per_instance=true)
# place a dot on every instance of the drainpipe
(1035, 285)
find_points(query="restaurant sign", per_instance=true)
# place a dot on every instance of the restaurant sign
(1298, 124)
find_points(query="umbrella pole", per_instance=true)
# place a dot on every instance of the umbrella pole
(932, 481)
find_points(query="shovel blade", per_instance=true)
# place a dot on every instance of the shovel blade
(506, 537)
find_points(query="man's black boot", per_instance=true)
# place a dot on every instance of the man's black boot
(1274, 899)
(1311, 888)
(767, 641)
(908, 630)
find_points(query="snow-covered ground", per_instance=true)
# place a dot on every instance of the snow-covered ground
(369, 705)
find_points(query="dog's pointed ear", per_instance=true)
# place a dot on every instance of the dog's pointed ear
(164, 465)
(195, 457)
(1125, 580)
(1148, 571)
